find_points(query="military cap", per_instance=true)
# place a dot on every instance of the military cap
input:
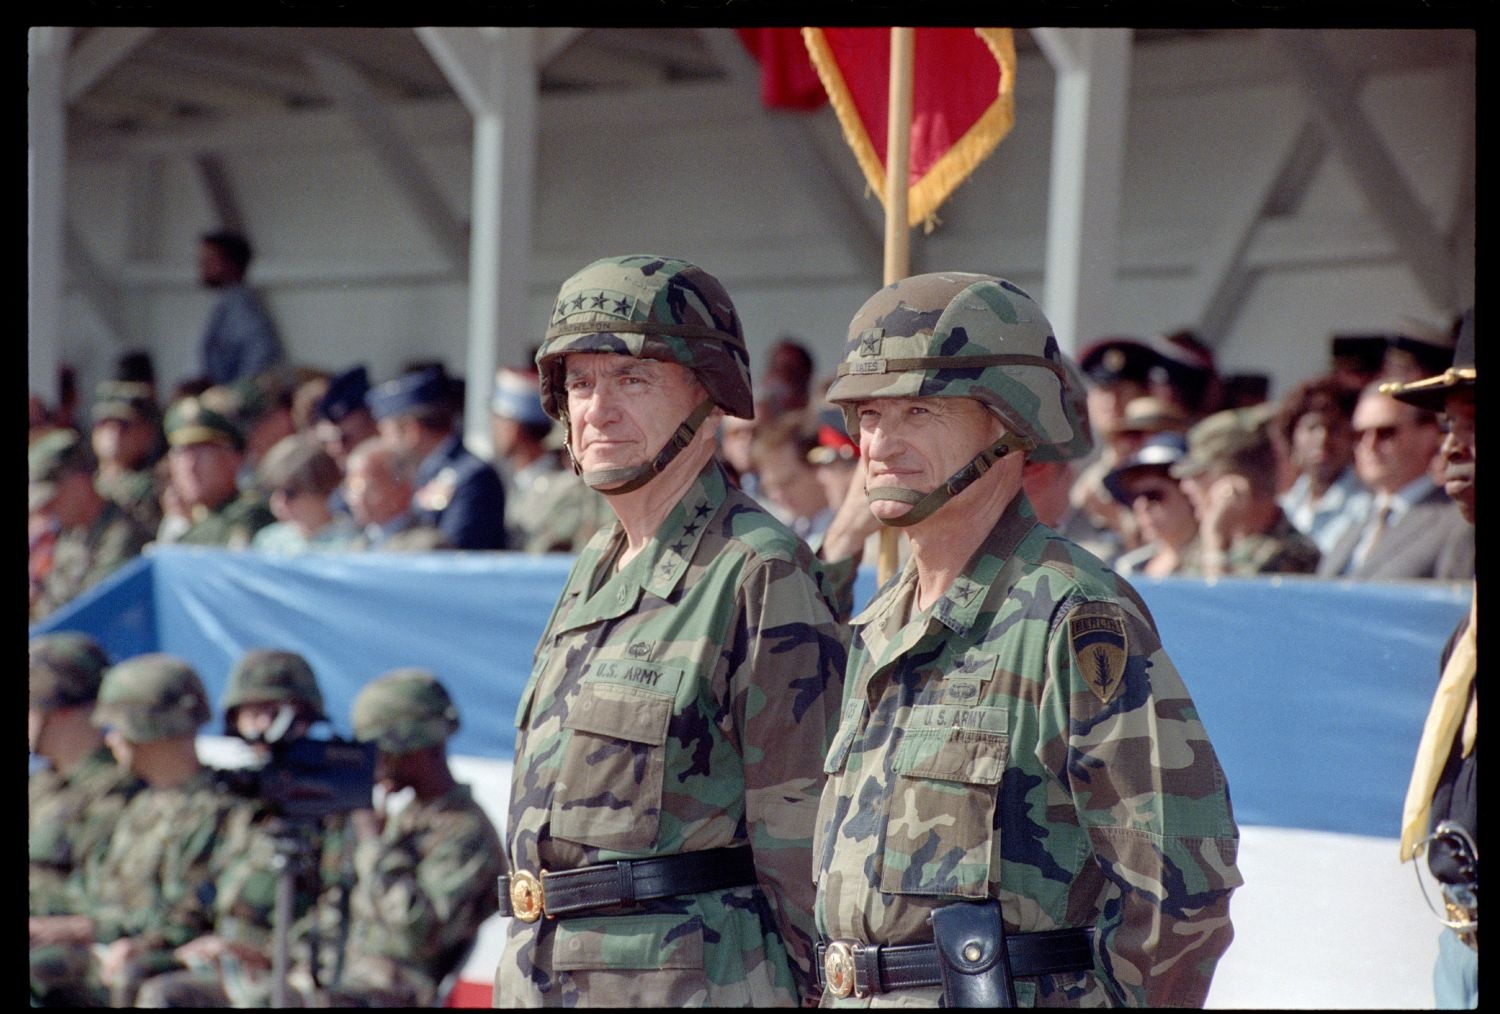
(404, 710)
(152, 697)
(346, 392)
(1118, 358)
(1361, 352)
(1148, 414)
(1226, 437)
(518, 397)
(66, 668)
(411, 392)
(123, 399)
(833, 445)
(244, 402)
(1160, 451)
(266, 674)
(190, 421)
(1431, 392)
(49, 458)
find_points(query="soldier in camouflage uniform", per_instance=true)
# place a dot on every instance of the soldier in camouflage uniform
(1229, 474)
(207, 451)
(425, 875)
(128, 440)
(272, 696)
(74, 802)
(95, 537)
(152, 890)
(1015, 744)
(684, 691)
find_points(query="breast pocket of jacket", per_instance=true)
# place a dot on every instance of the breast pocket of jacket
(614, 759)
(946, 772)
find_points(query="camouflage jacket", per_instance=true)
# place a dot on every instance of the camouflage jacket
(682, 703)
(245, 889)
(421, 893)
(232, 525)
(558, 513)
(1282, 549)
(138, 494)
(70, 820)
(1028, 739)
(156, 881)
(85, 556)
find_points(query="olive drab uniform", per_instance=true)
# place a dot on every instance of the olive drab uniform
(681, 704)
(1019, 692)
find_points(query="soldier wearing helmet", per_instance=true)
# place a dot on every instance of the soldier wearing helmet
(1000, 781)
(74, 801)
(683, 694)
(426, 875)
(153, 889)
(271, 699)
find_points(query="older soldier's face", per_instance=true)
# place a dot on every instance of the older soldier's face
(622, 410)
(1458, 450)
(204, 473)
(917, 443)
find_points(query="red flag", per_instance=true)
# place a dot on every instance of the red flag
(963, 102)
(787, 77)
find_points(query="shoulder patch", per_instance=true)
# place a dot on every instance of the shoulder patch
(1096, 636)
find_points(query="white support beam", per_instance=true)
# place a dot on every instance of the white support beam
(856, 223)
(1333, 98)
(98, 54)
(378, 128)
(46, 149)
(1088, 163)
(495, 72)
(1221, 280)
(220, 192)
(100, 293)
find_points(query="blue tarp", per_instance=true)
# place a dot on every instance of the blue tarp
(1313, 692)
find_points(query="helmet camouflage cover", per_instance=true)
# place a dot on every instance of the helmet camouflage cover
(66, 668)
(651, 308)
(404, 710)
(953, 334)
(269, 675)
(152, 697)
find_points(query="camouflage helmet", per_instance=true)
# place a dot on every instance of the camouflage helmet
(650, 308)
(954, 334)
(152, 697)
(404, 710)
(1076, 405)
(66, 668)
(269, 675)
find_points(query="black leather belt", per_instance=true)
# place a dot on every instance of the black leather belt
(847, 967)
(528, 897)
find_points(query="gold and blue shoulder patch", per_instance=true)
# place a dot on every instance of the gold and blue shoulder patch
(1096, 636)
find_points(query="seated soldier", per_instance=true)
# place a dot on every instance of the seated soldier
(128, 440)
(426, 876)
(74, 801)
(152, 890)
(95, 536)
(207, 452)
(1229, 474)
(378, 487)
(272, 697)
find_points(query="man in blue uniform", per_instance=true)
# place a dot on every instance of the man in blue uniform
(457, 493)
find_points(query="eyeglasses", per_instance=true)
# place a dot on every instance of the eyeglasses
(1152, 494)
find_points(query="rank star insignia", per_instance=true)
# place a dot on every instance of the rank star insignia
(689, 529)
(965, 592)
(869, 341)
(679, 546)
(621, 306)
(596, 302)
(1096, 633)
(578, 302)
(702, 510)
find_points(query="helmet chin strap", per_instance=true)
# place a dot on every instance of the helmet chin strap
(924, 504)
(633, 477)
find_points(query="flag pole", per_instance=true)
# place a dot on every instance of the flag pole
(897, 232)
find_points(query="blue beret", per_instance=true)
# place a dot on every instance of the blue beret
(346, 392)
(518, 396)
(410, 392)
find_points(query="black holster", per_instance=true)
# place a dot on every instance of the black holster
(972, 957)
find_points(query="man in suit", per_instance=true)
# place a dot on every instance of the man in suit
(1412, 529)
(456, 492)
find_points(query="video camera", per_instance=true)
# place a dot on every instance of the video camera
(307, 778)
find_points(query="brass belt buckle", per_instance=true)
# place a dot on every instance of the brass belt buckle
(838, 968)
(526, 899)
